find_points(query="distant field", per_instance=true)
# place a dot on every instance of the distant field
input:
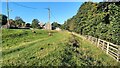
(25, 48)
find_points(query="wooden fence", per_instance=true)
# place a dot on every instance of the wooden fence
(110, 48)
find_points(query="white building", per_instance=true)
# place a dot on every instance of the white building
(48, 26)
(58, 29)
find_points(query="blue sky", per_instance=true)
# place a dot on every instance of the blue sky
(53, 0)
(60, 11)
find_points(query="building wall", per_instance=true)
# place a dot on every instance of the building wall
(48, 26)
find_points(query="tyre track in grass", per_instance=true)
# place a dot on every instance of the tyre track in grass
(19, 43)
(22, 46)
(15, 40)
(22, 54)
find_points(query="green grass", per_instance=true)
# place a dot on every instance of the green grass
(25, 48)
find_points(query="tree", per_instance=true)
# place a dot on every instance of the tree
(35, 23)
(28, 25)
(55, 24)
(64, 26)
(101, 20)
(114, 27)
(3, 19)
(19, 22)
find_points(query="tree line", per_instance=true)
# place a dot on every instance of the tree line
(19, 22)
(101, 20)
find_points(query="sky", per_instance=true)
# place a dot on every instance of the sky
(52, 0)
(60, 11)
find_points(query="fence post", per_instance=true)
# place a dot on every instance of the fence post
(98, 42)
(93, 40)
(103, 45)
(107, 47)
(88, 37)
(118, 57)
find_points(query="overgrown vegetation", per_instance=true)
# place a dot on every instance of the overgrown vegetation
(101, 20)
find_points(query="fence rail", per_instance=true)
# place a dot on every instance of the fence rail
(110, 48)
